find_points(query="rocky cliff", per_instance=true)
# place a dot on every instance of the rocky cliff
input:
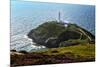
(54, 34)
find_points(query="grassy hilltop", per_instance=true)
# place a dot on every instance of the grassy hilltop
(51, 34)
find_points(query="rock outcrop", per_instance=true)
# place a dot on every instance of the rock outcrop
(51, 34)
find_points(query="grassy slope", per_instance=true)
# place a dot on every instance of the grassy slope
(84, 50)
(77, 53)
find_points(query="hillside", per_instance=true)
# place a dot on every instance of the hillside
(52, 33)
(70, 54)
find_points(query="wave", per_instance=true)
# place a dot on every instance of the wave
(24, 43)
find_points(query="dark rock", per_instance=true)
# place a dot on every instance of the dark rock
(54, 51)
(65, 43)
(22, 51)
(51, 43)
(13, 50)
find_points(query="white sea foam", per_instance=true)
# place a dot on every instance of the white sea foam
(30, 40)
(24, 43)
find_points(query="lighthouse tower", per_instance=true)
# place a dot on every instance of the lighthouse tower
(65, 23)
(59, 17)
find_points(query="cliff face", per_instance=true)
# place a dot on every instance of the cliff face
(46, 31)
(52, 34)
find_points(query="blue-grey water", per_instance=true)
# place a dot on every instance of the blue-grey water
(28, 15)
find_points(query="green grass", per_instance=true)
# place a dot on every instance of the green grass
(84, 50)
(69, 54)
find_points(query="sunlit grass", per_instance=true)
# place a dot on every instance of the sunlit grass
(85, 50)
(69, 54)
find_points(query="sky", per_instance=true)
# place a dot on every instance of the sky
(89, 2)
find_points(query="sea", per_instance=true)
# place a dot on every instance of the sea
(27, 15)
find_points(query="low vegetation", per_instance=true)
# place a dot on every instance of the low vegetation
(50, 34)
(77, 53)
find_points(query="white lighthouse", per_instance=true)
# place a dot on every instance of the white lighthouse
(59, 17)
(64, 22)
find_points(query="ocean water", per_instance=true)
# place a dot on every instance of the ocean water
(27, 15)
